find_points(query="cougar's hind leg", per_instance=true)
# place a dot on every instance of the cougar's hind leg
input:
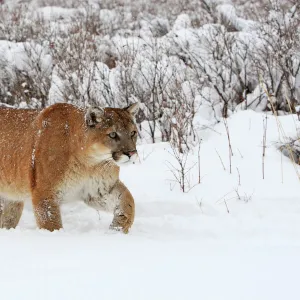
(1, 211)
(10, 213)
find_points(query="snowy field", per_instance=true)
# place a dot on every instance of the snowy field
(234, 236)
(209, 243)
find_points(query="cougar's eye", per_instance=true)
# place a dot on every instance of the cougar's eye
(113, 135)
(133, 133)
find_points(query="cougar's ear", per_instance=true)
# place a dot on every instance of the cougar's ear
(93, 116)
(133, 108)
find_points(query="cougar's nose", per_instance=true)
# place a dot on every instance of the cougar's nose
(130, 153)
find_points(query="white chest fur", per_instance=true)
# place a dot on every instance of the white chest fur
(95, 191)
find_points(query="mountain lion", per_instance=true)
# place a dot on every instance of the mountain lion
(65, 153)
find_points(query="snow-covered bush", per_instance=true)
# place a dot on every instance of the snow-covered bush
(208, 57)
(277, 57)
(25, 74)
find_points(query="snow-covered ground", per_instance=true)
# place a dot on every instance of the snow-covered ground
(209, 243)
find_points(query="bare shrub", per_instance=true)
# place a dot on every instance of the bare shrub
(29, 82)
(277, 59)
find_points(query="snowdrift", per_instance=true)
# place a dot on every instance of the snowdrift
(234, 236)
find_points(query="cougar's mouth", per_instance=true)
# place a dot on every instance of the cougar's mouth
(124, 156)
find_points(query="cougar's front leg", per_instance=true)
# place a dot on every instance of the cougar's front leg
(47, 212)
(124, 211)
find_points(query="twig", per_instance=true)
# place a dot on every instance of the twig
(240, 153)
(265, 123)
(239, 175)
(181, 172)
(229, 143)
(223, 196)
(280, 129)
(238, 195)
(199, 173)
(221, 160)
(226, 206)
(148, 154)
(200, 204)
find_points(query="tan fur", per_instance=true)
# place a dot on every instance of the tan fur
(64, 153)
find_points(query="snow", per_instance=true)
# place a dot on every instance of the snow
(182, 22)
(56, 13)
(192, 271)
(229, 12)
(233, 236)
(16, 55)
(206, 243)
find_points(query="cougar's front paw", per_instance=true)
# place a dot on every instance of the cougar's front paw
(115, 228)
(121, 223)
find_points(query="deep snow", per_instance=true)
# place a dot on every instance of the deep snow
(181, 246)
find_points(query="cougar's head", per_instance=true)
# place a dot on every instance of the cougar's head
(113, 133)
